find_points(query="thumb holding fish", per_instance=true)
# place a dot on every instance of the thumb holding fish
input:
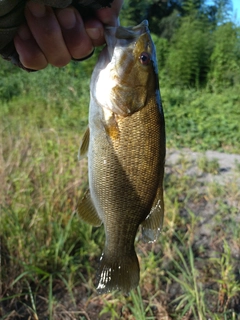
(55, 36)
(107, 16)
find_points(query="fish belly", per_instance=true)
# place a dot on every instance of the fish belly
(125, 171)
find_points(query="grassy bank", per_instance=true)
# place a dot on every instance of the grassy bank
(201, 119)
(49, 257)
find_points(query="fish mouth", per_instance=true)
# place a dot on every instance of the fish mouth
(132, 32)
(123, 36)
(126, 33)
(119, 39)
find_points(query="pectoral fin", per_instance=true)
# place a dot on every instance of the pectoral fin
(111, 126)
(151, 227)
(83, 149)
(87, 211)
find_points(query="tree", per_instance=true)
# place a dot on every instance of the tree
(188, 60)
(195, 41)
(134, 11)
(225, 58)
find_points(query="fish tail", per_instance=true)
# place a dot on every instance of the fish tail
(118, 272)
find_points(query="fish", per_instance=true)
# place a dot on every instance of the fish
(125, 146)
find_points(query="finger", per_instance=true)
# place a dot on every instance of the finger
(109, 16)
(106, 16)
(45, 29)
(77, 40)
(29, 52)
(95, 31)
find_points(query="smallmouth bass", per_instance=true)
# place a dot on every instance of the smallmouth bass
(125, 145)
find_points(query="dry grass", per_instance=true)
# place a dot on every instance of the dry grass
(49, 257)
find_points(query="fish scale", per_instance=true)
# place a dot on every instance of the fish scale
(126, 153)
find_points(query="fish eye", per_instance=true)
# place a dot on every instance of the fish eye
(145, 58)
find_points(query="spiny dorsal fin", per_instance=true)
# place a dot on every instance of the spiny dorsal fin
(87, 211)
(83, 149)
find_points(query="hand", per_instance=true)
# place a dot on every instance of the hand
(55, 36)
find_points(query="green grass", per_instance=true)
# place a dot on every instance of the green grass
(202, 120)
(49, 257)
(192, 299)
(208, 166)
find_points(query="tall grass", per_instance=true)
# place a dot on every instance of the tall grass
(49, 257)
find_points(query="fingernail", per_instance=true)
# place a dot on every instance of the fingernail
(85, 58)
(67, 18)
(24, 33)
(37, 9)
(94, 33)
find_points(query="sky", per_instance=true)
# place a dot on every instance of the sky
(236, 9)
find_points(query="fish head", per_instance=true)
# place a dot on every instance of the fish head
(126, 73)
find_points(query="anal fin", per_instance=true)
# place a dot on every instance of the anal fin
(87, 211)
(152, 225)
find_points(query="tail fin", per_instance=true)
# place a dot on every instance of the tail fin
(118, 273)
